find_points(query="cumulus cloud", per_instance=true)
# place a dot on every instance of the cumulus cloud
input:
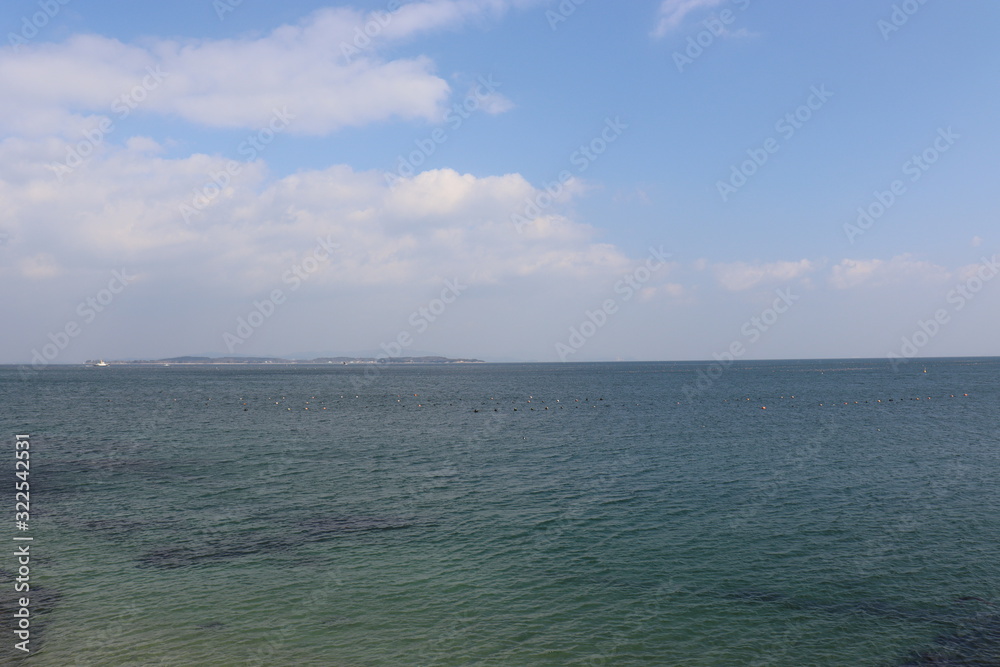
(127, 204)
(901, 269)
(738, 276)
(319, 69)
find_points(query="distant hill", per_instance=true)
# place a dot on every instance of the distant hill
(279, 360)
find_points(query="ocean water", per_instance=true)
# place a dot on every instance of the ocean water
(787, 513)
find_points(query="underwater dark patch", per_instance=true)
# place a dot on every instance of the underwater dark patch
(313, 530)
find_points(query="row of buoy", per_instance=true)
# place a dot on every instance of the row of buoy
(245, 404)
(879, 400)
(399, 400)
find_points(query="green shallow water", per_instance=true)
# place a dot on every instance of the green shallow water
(204, 516)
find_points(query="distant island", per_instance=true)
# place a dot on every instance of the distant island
(343, 361)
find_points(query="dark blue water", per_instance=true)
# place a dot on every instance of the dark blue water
(583, 514)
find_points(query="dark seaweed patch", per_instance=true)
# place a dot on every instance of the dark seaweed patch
(313, 530)
(211, 625)
(972, 638)
(974, 642)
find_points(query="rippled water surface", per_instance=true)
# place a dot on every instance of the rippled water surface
(579, 514)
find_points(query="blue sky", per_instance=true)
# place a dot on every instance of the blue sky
(288, 123)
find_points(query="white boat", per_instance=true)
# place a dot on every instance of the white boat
(101, 363)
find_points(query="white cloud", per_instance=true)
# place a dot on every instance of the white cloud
(902, 269)
(974, 271)
(39, 266)
(495, 103)
(61, 88)
(738, 276)
(674, 291)
(672, 13)
(124, 206)
(416, 17)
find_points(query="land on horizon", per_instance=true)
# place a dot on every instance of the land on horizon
(190, 360)
(194, 360)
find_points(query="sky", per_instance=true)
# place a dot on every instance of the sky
(507, 180)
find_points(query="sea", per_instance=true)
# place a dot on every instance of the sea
(753, 513)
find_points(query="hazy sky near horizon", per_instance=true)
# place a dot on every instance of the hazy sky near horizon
(502, 179)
